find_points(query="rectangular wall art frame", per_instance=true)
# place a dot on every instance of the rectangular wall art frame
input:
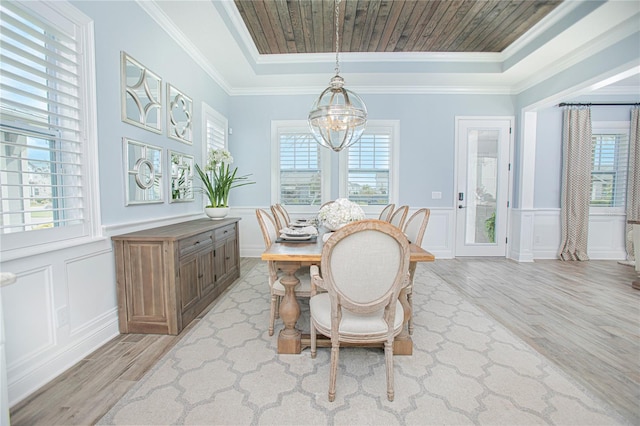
(181, 167)
(179, 115)
(141, 95)
(143, 173)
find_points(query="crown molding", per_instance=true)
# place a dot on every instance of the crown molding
(178, 36)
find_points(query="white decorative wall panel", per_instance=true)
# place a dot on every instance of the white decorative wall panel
(28, 316)
(90, 285)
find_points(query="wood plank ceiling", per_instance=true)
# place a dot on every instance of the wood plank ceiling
(308, 26)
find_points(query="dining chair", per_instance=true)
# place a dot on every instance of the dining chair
(386, 213)
(279, 216)
(414, 229)
(398, 217)
(364, 266)
(276, 289)
(327, 203)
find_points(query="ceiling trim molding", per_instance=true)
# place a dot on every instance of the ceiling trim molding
(178, 36)
(379, 90)
(613, 36)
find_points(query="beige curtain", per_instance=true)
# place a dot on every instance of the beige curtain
(576, 183)
(633, 177)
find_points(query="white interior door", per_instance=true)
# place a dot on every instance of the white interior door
(483, 147)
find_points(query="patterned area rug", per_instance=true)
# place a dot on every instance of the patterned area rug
(466, 369)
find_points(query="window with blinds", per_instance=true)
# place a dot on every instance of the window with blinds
(300, 169)
(215, 129)
(368, 179)
(609, 169)
(41, 144)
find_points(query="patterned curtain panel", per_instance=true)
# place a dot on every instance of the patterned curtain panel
(576, 183)
(633, 176)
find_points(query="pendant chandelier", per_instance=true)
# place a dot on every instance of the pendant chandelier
(338, 117)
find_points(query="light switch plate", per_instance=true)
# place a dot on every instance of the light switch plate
(436, 195)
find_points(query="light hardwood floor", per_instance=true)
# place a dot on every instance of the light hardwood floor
(583, 316)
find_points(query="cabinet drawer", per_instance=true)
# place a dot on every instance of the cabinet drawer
(197, 242)
(226, 232)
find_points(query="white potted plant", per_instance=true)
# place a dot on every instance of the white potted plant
(218, 179)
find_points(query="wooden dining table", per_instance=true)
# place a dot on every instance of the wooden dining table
(291, 256)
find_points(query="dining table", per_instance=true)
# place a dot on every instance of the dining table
(291, 256)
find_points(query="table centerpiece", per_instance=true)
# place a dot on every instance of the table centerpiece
(335, 215)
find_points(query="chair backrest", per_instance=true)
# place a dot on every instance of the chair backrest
(327, 203)
(267, 226)
(270, 234)
(280, 218)
(415, 226)
(398, 217)
(364, 266)
(386, 213)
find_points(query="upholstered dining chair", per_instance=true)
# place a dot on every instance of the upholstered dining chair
(386, 213)
(398, 217)
(327, 203)
(364, 265)
(414, 229)
(276, 289)
(280, 215)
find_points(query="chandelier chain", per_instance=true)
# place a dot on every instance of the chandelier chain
(337, 3)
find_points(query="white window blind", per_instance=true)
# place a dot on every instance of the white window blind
(300, 169)
(610, 158)
(368, 179)
(216, 134)
(41, 142)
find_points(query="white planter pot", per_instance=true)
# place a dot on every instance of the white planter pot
(216, 213)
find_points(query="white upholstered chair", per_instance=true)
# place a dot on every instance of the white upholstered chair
(364, 265)
(270, 234)
(398, 217)
(386, 213)
(414, 229)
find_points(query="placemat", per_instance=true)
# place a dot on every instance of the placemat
(309, 241)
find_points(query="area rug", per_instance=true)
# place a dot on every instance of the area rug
(465, 369)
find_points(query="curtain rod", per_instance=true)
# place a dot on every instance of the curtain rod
(597, 104)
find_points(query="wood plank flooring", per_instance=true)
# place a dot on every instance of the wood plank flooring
(583, 316)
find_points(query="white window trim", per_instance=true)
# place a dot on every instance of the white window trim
(598, 127)
(325, 167)
(29, 243)
(394, 185)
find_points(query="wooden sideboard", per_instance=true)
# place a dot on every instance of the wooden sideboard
(167, 275)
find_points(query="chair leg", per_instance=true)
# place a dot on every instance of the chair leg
(278, 300)
(272, 315)
(388, 357)
(410, 322)
(313, 337)
(335, 352)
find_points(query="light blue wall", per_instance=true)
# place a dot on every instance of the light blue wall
(124, 26)
(427, 139)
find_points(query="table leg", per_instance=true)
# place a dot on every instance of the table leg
(403, 345)
(289, 337)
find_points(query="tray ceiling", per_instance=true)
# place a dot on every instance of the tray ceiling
(308, 26)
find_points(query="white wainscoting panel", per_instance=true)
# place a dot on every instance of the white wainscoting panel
(606, 235)
(28, 316)
(61, 308)
(520, 235)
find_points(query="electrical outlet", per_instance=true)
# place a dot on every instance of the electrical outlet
(63, 316)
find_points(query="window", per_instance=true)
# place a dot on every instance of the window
(214, 129)
(45, 122)
(610, 145)
(301, 166)
(368, 169)
(367, 172)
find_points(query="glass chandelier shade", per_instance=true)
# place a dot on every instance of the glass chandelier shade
(338, 117)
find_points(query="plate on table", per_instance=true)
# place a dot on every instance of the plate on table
(296, 236)
(298, 224)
